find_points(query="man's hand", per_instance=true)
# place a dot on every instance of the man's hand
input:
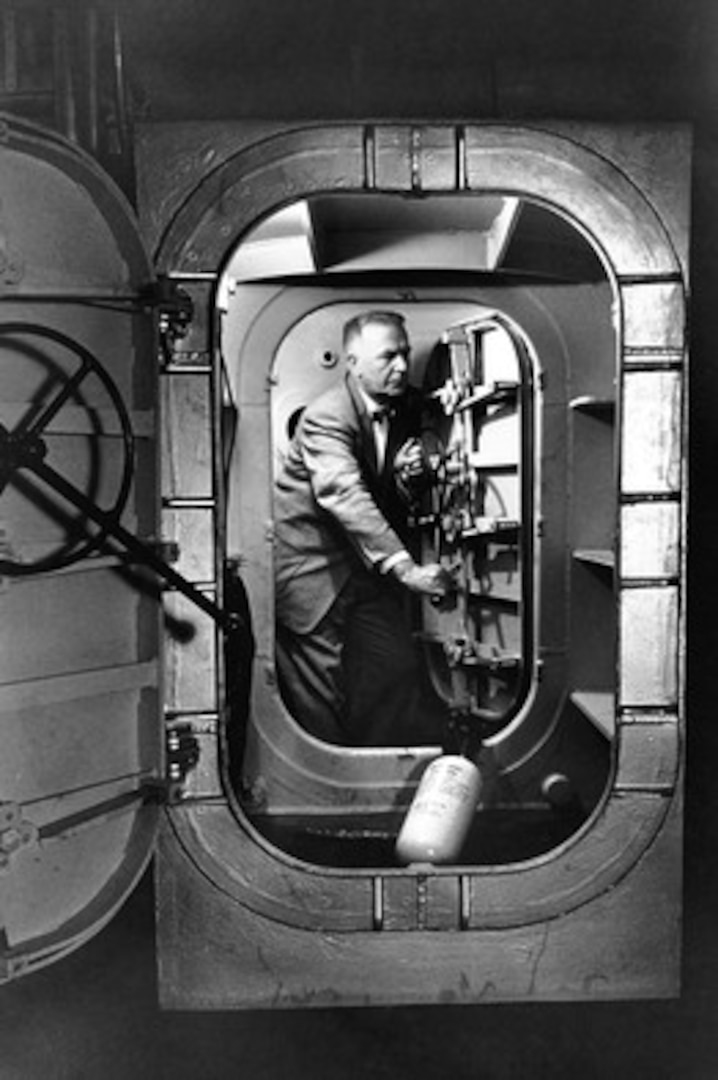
(410, 460)
(430, 580)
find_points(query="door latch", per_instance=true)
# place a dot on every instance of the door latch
(182, 754)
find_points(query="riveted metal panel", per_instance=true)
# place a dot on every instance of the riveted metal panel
(256, 181)
(647, 753)
(217, 955)
(190, 672)
(586, 889)
(583, 868)
(400, 903)
(653, 315)
(441, 163)
(193, 532)
(649, 646)
(580, 183)
(79, 685)
(650, 540)
(443, 902)
(423, 901)
(392, 150)
(652, 439)
(186, 437)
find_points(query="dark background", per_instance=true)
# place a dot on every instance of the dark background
(95, 1014)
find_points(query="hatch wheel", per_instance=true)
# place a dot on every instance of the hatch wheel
(24, 449)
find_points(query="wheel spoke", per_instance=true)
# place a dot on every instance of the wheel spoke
(23, 451)
(50, 411)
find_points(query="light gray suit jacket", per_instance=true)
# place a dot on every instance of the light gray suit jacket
(335, 511)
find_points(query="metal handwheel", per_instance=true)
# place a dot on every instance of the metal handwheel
(25, 449)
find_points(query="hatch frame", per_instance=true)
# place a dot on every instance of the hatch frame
(604, 185)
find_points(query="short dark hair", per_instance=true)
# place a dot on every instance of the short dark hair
(354, 326)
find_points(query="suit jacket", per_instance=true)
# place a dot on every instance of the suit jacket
(335, 512)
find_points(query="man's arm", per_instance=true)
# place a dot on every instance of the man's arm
(429, 580)
(330, 454)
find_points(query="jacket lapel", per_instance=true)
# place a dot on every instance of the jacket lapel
(402, 425)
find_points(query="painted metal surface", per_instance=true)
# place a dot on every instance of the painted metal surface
(79, 677)
(276, 931)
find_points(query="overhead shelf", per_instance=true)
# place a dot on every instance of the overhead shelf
(602, 557)
(599, 708)
(598, 406)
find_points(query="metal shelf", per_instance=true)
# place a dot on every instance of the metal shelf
(602, 557)
(597, 406)
(599, 708)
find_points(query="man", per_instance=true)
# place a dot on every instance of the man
(347, 665)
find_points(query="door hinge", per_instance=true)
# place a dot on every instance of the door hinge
(174, 308)
(173, 304)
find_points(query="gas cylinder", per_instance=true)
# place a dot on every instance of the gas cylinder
(441, 812)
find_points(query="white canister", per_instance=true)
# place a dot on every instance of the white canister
(441, 812)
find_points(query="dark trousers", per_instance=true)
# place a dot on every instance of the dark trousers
(357, 678)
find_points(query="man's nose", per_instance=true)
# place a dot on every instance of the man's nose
(400, 362)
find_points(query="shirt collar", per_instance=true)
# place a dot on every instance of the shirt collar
(375, 408)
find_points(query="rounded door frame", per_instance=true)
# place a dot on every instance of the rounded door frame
(643, 264)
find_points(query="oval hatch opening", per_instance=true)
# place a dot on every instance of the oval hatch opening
(508, 310)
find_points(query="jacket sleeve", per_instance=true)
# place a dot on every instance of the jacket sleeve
(331, 448)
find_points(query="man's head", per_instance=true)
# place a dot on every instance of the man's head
(377, 352)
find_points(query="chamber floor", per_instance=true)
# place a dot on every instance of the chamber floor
(497, 837)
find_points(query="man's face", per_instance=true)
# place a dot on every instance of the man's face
(379, 359)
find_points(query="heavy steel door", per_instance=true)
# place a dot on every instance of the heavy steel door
(82, 764)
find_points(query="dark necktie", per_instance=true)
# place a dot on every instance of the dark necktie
(380, 419)
(383, 412)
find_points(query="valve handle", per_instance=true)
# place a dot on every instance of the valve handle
(24, 448)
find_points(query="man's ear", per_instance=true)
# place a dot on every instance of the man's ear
(351, 360)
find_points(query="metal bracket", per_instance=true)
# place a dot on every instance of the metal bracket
(182, 753)
(174, 305)
(175, 310)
